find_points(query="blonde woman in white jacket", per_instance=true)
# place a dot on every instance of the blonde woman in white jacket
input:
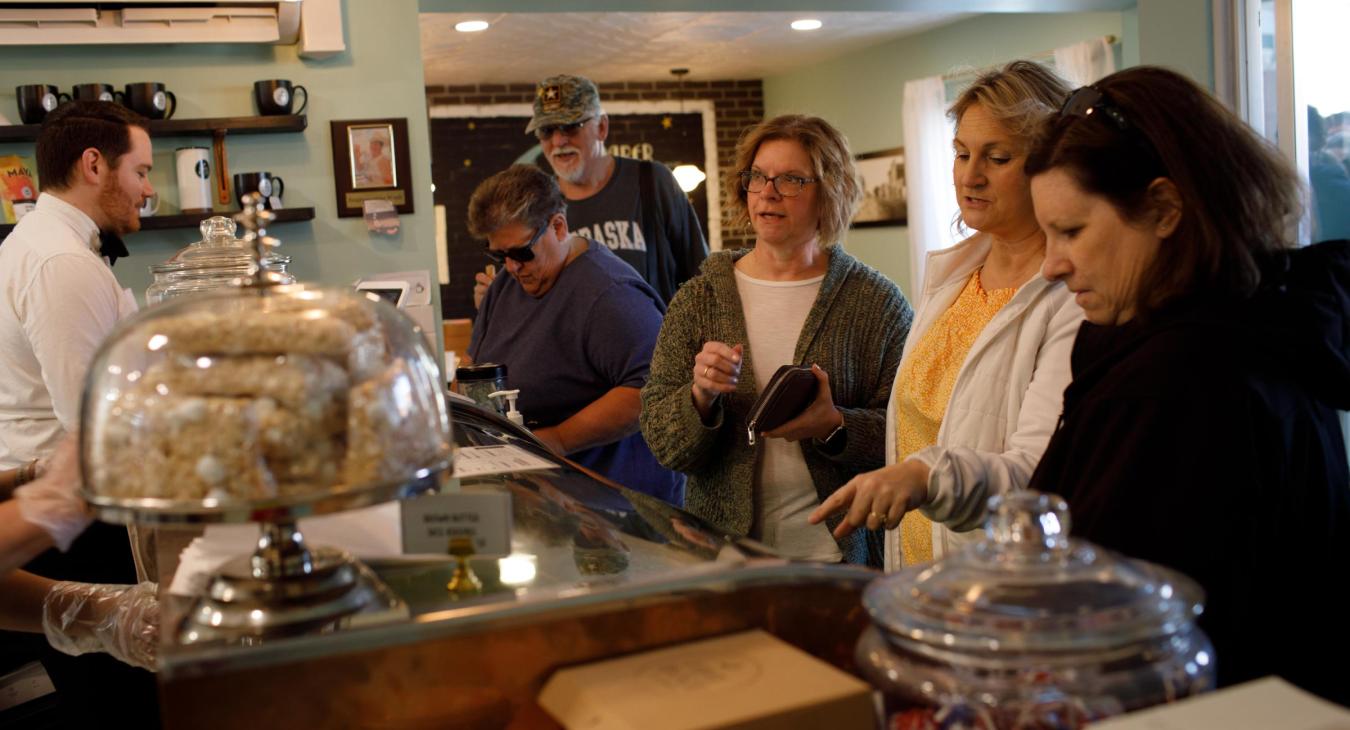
(981, 382)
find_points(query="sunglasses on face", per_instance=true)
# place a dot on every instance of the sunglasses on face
(567, 130)
(519, 254)
(1089, 102)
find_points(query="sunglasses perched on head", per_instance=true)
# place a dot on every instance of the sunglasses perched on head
(519, 254)
(1089, 102)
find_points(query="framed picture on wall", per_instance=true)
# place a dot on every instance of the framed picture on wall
(370, 162)
(884, 197)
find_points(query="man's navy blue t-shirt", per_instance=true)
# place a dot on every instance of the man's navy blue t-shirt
(592, 331)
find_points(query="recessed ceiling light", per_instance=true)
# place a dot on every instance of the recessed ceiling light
(471, 26)
(806, 24)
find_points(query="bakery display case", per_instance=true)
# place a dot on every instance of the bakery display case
(596, 570)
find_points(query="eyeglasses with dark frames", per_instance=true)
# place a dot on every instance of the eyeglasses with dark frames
(787, 185)
(568, 130)
(519, 254)
(1089, 101)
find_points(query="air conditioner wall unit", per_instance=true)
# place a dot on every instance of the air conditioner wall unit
(77, 22)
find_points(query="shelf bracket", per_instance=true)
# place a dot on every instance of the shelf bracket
(222, 167)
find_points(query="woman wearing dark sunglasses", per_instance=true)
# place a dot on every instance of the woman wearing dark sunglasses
(1200, 430)
(573, 324)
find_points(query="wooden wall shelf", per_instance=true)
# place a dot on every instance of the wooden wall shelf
(192, 220)
(186, 127)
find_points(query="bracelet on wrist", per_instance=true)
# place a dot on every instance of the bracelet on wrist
(27, 473)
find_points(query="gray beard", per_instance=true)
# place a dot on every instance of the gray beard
(578, 175)
(575, 177)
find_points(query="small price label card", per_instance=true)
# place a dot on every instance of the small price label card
(431, 521)
(472, 461)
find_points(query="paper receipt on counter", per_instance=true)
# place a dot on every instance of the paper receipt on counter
(472, 461)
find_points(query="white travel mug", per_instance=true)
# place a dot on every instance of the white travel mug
(194, 178)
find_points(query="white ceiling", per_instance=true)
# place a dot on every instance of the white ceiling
(526, 47)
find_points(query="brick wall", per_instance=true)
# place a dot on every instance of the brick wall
(738, 103)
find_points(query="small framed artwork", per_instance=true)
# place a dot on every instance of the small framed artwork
(885, 199)
(370, 162)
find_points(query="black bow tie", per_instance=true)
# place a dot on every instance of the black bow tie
(110, 245)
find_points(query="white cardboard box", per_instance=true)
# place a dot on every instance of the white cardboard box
(745, 681)
(1265, 704)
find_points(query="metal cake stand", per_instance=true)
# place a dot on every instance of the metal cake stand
(284, 587)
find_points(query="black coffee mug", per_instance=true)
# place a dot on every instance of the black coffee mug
(150, 99)
(94, 92)
(263, 183)
(275, 96)
(35, 100)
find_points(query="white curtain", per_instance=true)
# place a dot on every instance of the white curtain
(1085, 63)
(928, 174)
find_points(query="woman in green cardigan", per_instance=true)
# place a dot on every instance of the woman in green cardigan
(794, 297)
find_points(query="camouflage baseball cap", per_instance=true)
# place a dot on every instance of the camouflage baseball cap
(563, 100)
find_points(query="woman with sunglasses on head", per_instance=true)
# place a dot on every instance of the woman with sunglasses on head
(1201, 428)
(987, 360)
(795, 297)
(574, 326)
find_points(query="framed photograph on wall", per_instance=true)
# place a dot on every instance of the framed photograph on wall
(884, 196)
(370, 162)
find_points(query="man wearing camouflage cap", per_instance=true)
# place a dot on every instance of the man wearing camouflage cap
(633, 207)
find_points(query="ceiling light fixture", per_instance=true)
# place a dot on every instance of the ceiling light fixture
(687, 176)
(471, 26)
(806, 24)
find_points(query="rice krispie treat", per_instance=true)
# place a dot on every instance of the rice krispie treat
(313, 389)
(253, 332)
(347, 334)
(245, 402)
(117, 466)
(302, 453)
(387, 434)
(366, 356)
(189, 447)
(352, 312)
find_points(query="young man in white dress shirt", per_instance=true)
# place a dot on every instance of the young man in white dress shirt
(58, 296)
(58, 302)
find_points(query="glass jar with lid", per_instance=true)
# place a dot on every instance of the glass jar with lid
(1031, 629)
(217, 260)
(479, 381)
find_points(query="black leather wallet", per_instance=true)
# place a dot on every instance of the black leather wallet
(789, 392)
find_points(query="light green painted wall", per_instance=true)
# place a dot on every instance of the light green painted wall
(1129, 46)
(1178, 34)
(861, 93)
(379, 75)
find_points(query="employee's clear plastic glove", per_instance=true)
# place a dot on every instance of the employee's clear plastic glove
(120, 620)
(53, 502)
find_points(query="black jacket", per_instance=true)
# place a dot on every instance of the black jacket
(1207, 439)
